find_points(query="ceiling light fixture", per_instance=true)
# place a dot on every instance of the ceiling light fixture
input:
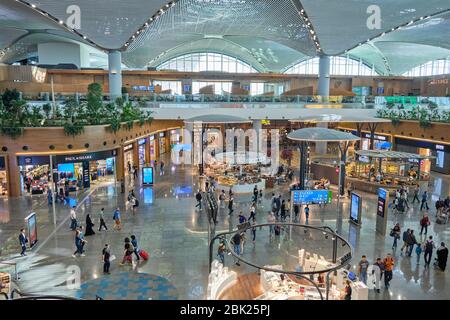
(33, 5)
(61, 22)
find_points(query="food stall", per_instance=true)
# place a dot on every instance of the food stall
(241, 171)
(386, 169)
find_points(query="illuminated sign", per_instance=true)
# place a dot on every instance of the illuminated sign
(128, 147)
(312, 196)
(147, 176)
(265, 122)
(440, 147)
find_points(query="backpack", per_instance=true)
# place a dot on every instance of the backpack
(429, 246)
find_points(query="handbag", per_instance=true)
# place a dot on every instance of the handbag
(392, 234)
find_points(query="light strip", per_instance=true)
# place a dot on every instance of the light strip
(141, 30)
(50, 153)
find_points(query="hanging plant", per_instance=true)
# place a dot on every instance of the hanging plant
(12, 132)
(395, 121)
(73, 129)
(115, 124)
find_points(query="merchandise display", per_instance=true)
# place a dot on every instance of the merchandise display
(219, 280)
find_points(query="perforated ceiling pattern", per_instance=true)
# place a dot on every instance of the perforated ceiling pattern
(109, 23)
(276, 20)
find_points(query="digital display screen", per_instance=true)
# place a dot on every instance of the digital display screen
(147, 175)
(354, 207)
(148, 195)
(67, 170)
(32, 229)
(312, 196)
(381, 206)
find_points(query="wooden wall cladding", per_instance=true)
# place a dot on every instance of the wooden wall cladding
(37, 140)
(439, 132)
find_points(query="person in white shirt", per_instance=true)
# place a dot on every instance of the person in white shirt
(73, 219)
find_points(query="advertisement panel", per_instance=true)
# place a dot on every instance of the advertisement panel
(31, 223)
(147, 176)
(355, 208)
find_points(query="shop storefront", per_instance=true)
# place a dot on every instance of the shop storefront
(162, 142)
(34, 172)
(152, 148)
(79, 171)
(427, 148)
(3, 177)
(141, 151)
(380, 142)
(128, 157)
(175, 136)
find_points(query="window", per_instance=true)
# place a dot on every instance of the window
(218, 86)
(430, 68)
(175, 86)
(345, 66)
(207, 61)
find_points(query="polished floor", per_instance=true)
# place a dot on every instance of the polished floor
(168, 226)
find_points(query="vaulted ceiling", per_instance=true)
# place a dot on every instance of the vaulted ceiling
(269, 34)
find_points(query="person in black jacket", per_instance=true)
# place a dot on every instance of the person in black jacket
(106, 255)
(23, 242)
(198, 197)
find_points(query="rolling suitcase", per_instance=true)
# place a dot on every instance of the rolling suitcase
(143, 254)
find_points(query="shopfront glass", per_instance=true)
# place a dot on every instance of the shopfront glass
(425, 164)
(162, 142)
(152, 147)
(128, 157)
(141, 151)
(3, 177)
(34, 174)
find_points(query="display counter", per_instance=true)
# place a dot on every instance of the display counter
(219, 280)
(370, 186)
(239, 187)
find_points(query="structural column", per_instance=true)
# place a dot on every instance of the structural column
(120, 164)
(324, 77)
(136, 153)
(13, 176)
(147, 150)
(321, 147)
(257, 126)
(115, 74)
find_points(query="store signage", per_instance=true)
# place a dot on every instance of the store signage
(2, 163)
(375, 136)
(34, 160)
(74, 158)
(162, 134)
(311, 196)
(265, 122)
(143, 88)
(382, 197)
(141, 141)
(440, 147)
(31, 223)
(438, 81)
(152, 137)
(128, 147)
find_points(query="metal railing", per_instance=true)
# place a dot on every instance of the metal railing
(30, 296)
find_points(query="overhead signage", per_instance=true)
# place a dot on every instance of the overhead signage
(312, 196)
(141, 141)
(162, 134)
(74, 158)
(128, 147)
(440, 147)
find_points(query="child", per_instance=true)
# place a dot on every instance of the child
(418, 252)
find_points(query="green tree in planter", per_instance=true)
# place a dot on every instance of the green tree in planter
(94, 107)
(71, 108)
(130, 114)
(35, 117)
(424, 119)
(47, 108)
(10, 95)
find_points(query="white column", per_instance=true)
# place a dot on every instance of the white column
(324, 76)
(321, 147)
(115, 74)
(257, 126)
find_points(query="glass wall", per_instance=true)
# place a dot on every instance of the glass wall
(345, 66)
(219, 87)
(175, 86)
(431, 68)
(206, 61)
